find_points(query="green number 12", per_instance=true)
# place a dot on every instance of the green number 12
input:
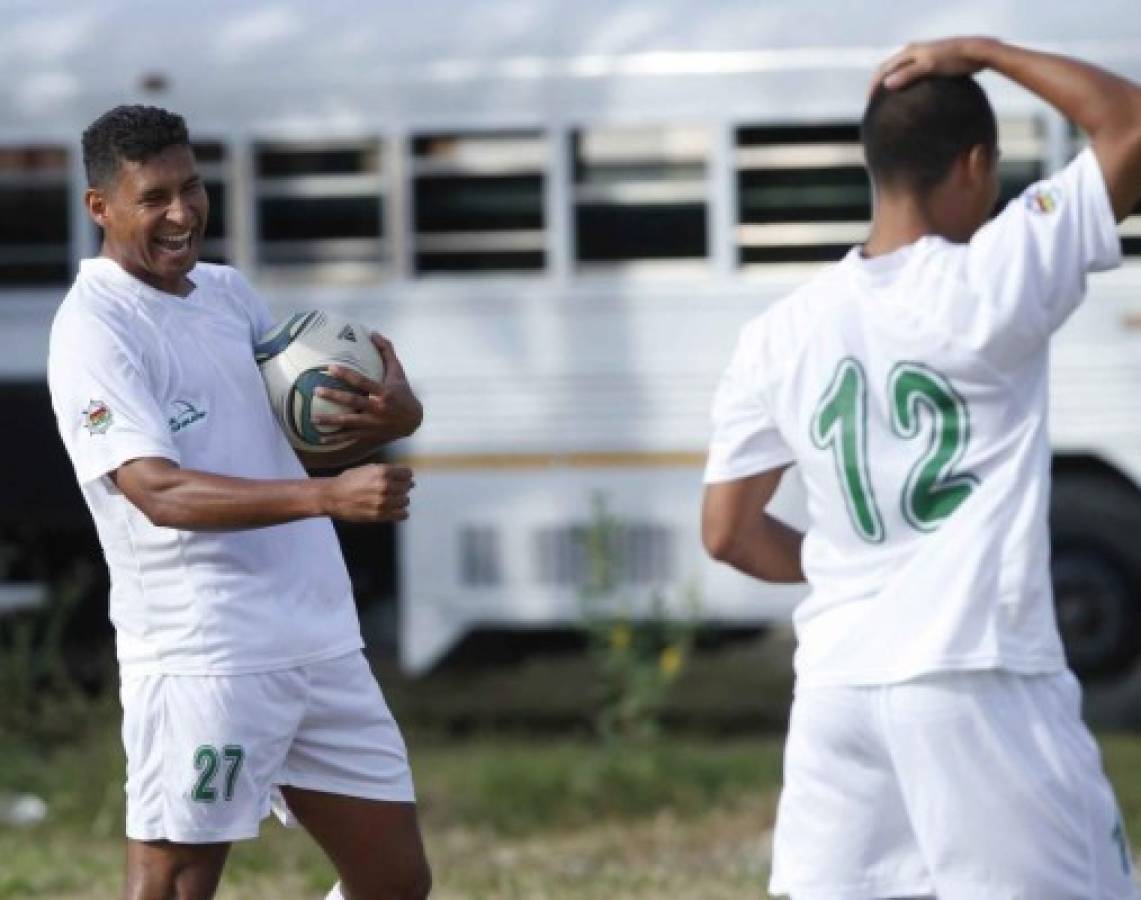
(933, 489)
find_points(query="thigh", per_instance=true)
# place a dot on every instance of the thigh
(348, 742)
(842, 830)
(1005, 789)
(346, 780)
(375, 845)
(159, 870)
(202, 753)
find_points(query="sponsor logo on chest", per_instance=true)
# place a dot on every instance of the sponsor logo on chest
(185, 415)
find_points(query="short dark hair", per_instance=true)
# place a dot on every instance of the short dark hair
(134, 133)
(913, 135)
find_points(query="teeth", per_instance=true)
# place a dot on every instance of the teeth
(173, 241)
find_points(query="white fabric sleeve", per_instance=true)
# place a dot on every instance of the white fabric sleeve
(261, 319)
(745, 438)
(1029, 264)
(106, 414)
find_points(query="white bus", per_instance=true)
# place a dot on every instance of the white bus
(561, 213)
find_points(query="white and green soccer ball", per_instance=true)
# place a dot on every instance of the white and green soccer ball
(294, 357)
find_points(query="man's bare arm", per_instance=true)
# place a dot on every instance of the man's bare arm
(1106, 106)
(736, 529)
(199, 501)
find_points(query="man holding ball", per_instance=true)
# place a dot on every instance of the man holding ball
(243, 680)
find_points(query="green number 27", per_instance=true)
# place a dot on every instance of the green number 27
(206, 760)
(934, 489)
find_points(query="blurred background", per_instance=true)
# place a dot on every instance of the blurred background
(561, 214)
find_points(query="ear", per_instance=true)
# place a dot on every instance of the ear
(979, 161)
(96, 202)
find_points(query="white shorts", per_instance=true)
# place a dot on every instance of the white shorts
(968, 786)
(205, 753)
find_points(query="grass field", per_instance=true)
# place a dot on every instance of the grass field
(505, 815)
(503, 818)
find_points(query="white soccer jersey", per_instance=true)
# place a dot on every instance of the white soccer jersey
(136, 372)
(911, 389)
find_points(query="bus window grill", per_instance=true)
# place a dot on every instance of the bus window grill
(640, 196)
(480, 563)
(321, 208)
(478, 203)
(644, 554)
(35, 217)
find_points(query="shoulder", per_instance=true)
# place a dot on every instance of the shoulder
(231, 285)
(790, 318)
(94, 308)
(214, 276)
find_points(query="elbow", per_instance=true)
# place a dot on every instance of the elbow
(159, 512)
(718, 541)
(415, 420)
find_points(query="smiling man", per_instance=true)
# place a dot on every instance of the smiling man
(238, 640)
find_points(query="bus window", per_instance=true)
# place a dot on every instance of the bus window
(1130, 231)
(640, 195)
(480, 564)
(478, 202)
(802, 192)
(35, 221)
(320, 208)
(211, 158)
(644, 553)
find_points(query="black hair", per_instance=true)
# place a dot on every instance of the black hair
(133, 133)
(913, 135)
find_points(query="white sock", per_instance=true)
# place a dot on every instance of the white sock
(335, 893)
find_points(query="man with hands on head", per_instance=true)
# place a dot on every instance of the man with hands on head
(935, 746)
(242, 679)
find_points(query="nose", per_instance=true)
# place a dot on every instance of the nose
(179, 211)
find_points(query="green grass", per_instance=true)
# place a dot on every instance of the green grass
(484, 804)
(503, 818)
(506, 813)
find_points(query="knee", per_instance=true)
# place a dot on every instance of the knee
(416, 884)
(405, 883)
(423, 884)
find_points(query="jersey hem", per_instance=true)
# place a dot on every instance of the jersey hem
(158, 667)
(1046, 665)
(718, 474)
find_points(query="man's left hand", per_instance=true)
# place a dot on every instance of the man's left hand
(383, 410)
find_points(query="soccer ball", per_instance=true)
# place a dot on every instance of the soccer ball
(294, 357)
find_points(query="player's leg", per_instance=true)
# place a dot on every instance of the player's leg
(201, 756)
(160, 870)
(375, 845)
(842, 830)
(1005, 789)
(347, 780)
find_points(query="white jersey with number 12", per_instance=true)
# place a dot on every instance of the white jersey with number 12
(911, 391)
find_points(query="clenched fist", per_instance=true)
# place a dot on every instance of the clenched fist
(371, 493)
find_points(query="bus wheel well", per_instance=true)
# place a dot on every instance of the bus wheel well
(1084, 465)
(1095, 514)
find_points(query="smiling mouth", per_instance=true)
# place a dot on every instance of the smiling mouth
(175, 243)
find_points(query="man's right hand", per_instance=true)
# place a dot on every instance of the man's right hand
(1105, 106)
(370, 493)
(950, 56)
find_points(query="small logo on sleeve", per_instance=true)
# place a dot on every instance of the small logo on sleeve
(347, 334)
(97, 417)
(185, 415)
(1042, 198)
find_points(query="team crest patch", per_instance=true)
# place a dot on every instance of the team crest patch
(1042, 199)
(97, 417)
